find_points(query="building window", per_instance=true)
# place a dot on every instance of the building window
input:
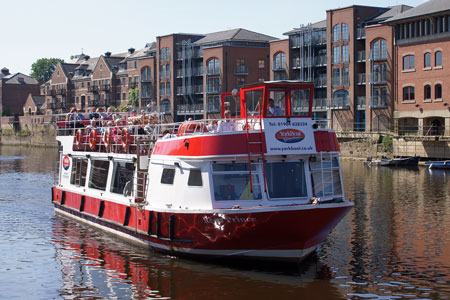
(212, 66)
(345, 76)
(427, 92)
(164, 54)
(427, 60)
(438, 91)
(279, 61)
(336, 32)
(379, 50)
(336, 77)
(165, 106)
(146, 74)
(336, 55)
(408, 62)
(168, 71)
(261, 63)
(345, 33)
(408, 93)
(240, 82)
(345, 54)
(162, 89)
(213, 104)
(438, 58)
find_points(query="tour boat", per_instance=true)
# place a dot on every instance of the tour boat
(265, 184)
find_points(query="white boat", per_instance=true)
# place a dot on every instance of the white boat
(270, 189)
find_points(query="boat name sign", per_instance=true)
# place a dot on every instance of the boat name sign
(294, 136)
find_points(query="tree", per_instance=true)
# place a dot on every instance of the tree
(43, 68)
(133, 97)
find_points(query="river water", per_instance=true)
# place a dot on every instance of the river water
(395, 244)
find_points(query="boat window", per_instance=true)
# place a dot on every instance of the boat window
(168, 176)
(232, 182)
(195, 178)
(99, 174)
(300, 102)
(254, 102)
(79, 170)
(286, 179)
(275, 104)
(325, 177)
(122, 173)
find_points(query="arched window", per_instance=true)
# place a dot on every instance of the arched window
(341, 98)
(336, 32)
(438, 58)
(408, 62)
(29, 111)
(438, 91)
(345, 33)
(408, 93)
(165, 106)
(279, 61)
(427, 92)
(379, 50)
(164, 54)
(213, 66)
(427, 60)
(146, 74)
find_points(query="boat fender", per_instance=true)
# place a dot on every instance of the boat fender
(78, 138)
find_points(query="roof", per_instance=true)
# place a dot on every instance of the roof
(427, 8)
(38, 100)
(318, 25)
(68, 68)
(19, 78)
(393, 11)
(238, 34)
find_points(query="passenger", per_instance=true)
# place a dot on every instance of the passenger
(212, 127)
(71, 117)
(274, 110)
(95, 115)
(228, 124)
(168, 135)
(133, 113)
(117, 132)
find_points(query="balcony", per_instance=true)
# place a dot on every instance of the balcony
(340, 103)
(361, 56)
(320, 104)
(105, 87)
(132, 85)
(213, 89)
(240, 70)
(378, 102)
(320, 61)
(190, 109)
(320, 82)
(61, 91)
(361, 79)
(378, 77)
(198, 89)
(361, 102)
(360, 33)
(93, 89)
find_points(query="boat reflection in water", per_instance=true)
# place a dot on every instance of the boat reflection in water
(95, 265)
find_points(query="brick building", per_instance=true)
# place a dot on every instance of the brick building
(14, 90)
(422, 47)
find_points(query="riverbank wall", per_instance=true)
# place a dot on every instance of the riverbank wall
(36, 131)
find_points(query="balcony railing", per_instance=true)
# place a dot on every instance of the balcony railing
(196, 53)
(240, 70)
(378, 77)
(52, 92)
(340, 103)
(93, 88)
(320, 60)
(132, 85)
(378, 102)
(320, 104)
(320, 82)
(360, 33)
(188, 109)
(361, 79)
(361, 56)
(188, 90)
(105, 87)
(61, 91)
(361, 102)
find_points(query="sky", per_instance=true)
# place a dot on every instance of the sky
(33, 29)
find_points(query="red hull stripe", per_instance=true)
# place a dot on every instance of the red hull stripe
(216, 232)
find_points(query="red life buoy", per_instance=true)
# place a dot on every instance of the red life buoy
(79, 138)
(92, 139)
(107, 138)
(125, 138)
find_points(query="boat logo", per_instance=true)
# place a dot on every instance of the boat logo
(290, 136)
(66, 162)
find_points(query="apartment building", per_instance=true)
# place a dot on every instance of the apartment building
(14, 91)
(422, 57)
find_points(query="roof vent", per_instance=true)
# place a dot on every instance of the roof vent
(131, 50)
(21, 80)
(108, 54)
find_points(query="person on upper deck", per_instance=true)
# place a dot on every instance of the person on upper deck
(228, 124)
(274, 110)
(212, 127)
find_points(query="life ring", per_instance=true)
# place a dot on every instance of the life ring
(191, 127)
(92, 139)
(79, 138)
(107, 138)
(125, 138)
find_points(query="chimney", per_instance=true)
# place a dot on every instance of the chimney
(108, 54)
(5, 71)
(86, 57)
(131, 50)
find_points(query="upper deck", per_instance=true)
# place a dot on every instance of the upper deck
(267, 118)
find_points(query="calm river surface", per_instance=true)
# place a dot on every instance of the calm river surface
(395, 244)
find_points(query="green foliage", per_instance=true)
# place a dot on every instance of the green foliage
(43, 68)
(387, 143)
(123, 108)
(133, 97)
(6, 112)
